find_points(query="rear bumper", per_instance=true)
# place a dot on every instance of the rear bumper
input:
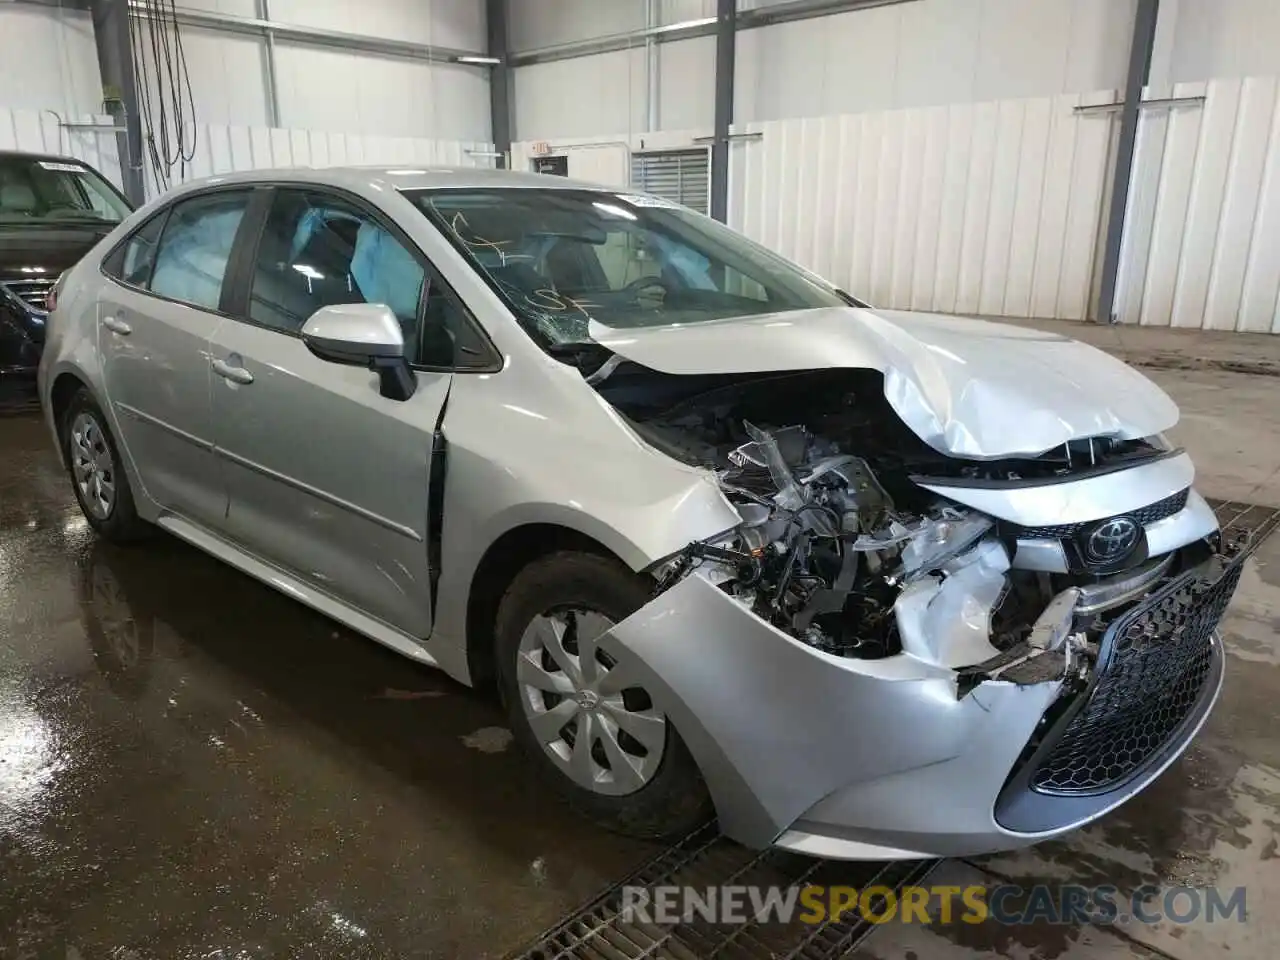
(854, 759)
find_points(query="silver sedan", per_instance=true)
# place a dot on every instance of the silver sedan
(726, 539)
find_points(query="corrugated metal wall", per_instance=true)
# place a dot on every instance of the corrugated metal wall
(223, 149)
(38, 131)
(1202, 241)
(986, 208)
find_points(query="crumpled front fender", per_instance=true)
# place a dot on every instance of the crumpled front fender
(776, 726)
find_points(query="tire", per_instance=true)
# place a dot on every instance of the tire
(667, 798)
(84, 431)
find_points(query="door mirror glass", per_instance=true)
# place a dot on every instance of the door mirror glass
(367, 334)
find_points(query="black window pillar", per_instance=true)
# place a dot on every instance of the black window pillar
(726, 38)
(1140, 50)
(500, 80)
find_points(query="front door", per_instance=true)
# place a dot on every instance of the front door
(326, 477)
(154, 330)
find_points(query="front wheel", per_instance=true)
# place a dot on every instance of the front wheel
(598, 739)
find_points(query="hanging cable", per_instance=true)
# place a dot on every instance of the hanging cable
(167, 102)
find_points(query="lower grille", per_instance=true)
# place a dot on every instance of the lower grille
(1155, 661)
(32, 292)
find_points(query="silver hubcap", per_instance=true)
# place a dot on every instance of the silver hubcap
(93, 466)
(600, 731)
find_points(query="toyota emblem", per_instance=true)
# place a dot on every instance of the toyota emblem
(1112, 540)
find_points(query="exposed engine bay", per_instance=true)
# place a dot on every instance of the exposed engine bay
(840, 546)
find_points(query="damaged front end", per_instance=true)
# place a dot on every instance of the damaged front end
(889, 625)
(824, 554)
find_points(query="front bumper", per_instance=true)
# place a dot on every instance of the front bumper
(854, 759)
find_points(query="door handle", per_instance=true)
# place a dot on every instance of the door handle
(234, 374)
(116, 325)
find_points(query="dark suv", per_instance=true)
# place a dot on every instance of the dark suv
(52, 211)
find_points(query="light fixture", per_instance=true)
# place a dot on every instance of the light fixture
(478, 61)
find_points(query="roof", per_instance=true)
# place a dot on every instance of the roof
(32, 155)
(408, 177)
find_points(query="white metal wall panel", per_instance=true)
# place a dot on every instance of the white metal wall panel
(445, 23)
(1222, 38)
(1202, 244)
(931, 53)
(48, 59)
(989, 208)
(226, 149)
(38, 131)
(355, 93)
(226, 71)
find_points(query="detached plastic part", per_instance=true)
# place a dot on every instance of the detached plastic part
(946, 621)
(764, 450)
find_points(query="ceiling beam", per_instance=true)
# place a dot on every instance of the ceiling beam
(689, 29)
(313, 36)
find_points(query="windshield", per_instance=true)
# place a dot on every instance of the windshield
(561, 258)
(39, 190)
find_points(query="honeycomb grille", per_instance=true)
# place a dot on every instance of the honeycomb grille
(1148, 514)
(1157, 658)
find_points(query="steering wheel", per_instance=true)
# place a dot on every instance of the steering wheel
(635, 288)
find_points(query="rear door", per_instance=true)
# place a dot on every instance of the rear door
(326, 477)
(154, 328)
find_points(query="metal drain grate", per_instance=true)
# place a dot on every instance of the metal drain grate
(598, 931)
(1238, 518)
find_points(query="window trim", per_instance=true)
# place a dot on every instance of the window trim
(165, 212)
(240, 271)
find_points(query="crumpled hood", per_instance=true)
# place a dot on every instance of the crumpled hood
(968, 388)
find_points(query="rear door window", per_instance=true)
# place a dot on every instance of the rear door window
(191, 260)
(133, 260)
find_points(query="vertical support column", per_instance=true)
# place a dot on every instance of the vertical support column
(269, 65)
(726, 38)
(651, 66)
(501, 80)
(1140, 50)
(120, 88)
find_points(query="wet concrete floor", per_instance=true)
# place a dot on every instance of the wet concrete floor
(192, 765)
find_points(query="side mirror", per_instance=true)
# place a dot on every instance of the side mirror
(367, 334)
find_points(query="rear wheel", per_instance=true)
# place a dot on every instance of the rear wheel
(97, 472)
(597, 738)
